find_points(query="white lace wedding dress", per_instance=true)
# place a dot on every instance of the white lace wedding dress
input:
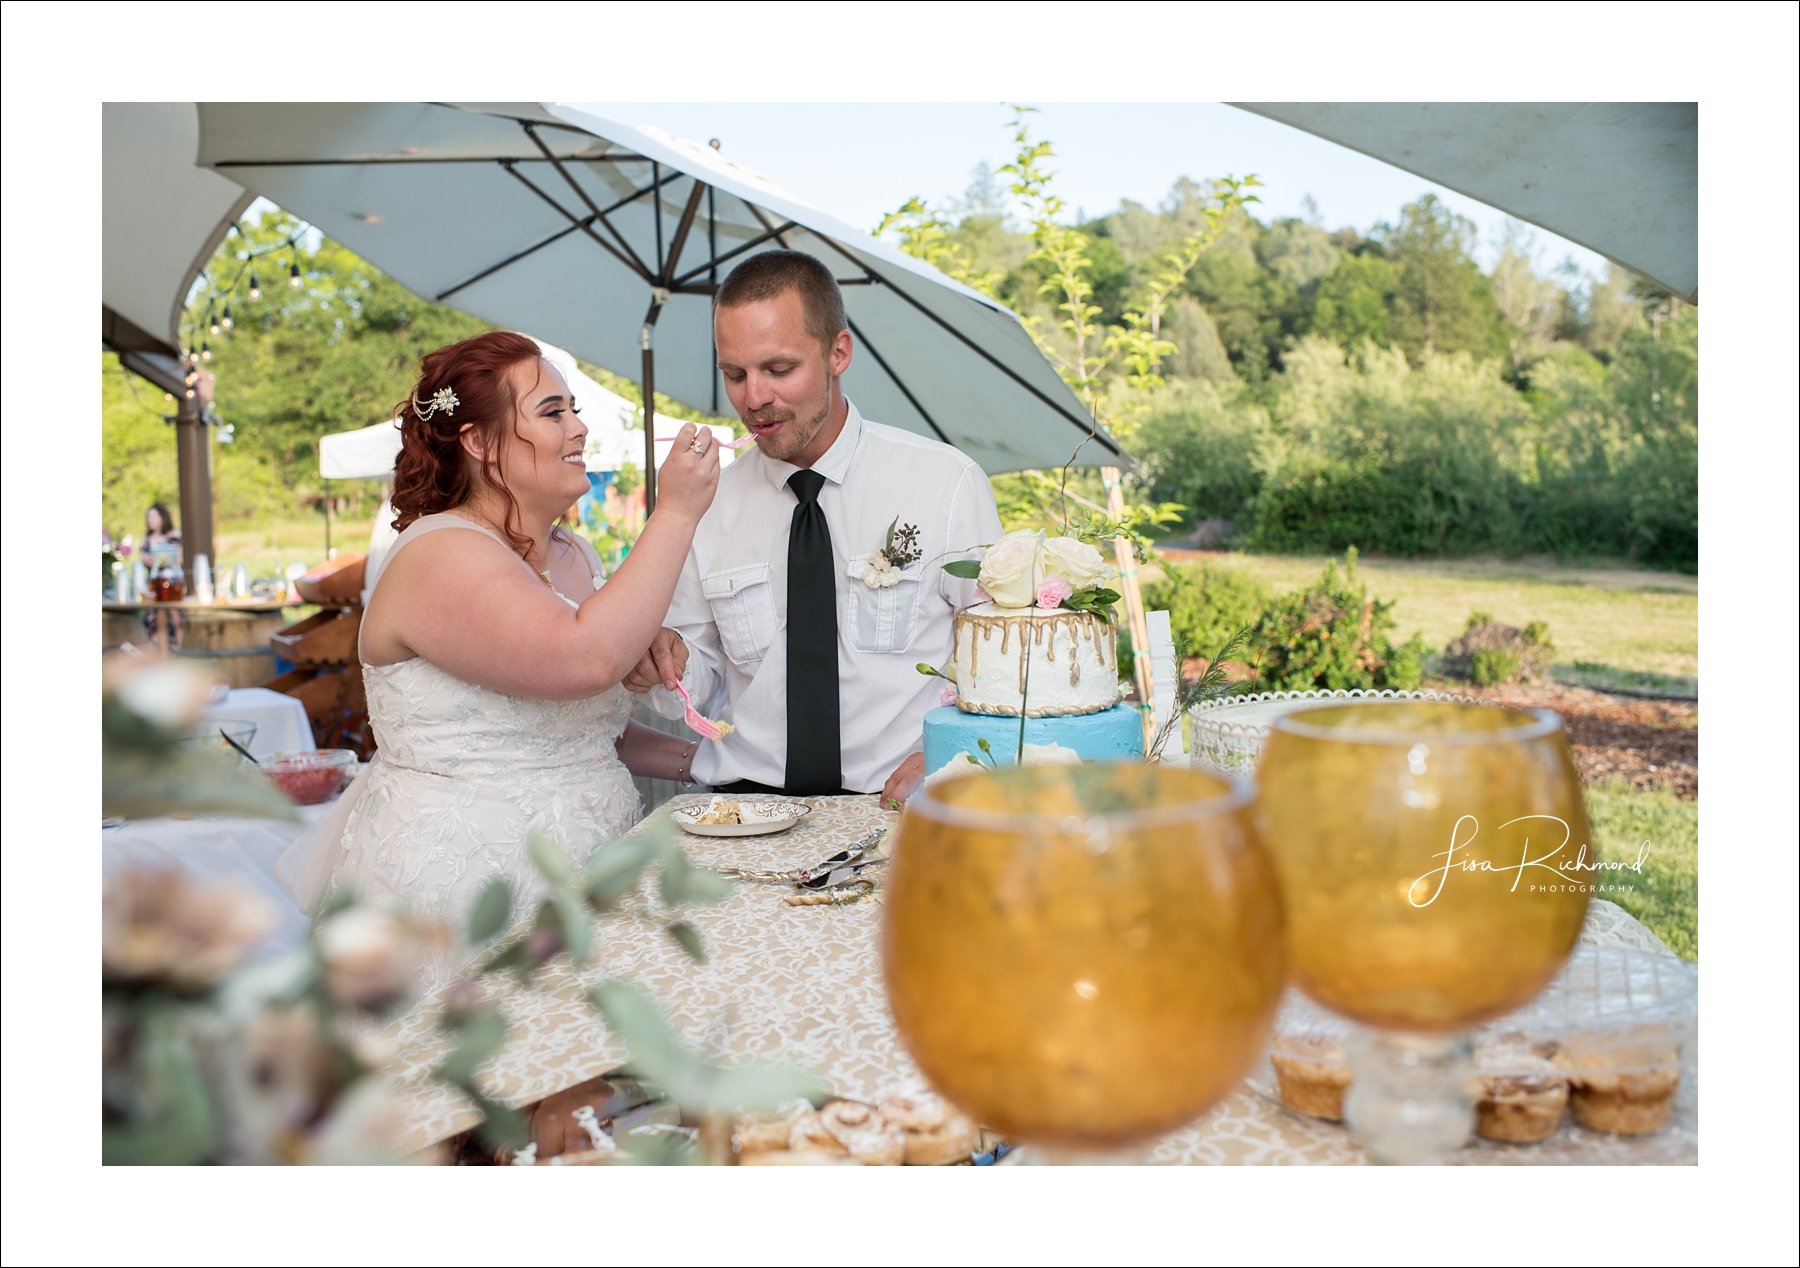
(461, 777)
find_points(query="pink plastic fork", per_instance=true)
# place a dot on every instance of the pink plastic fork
(702, 725)
(733, 445)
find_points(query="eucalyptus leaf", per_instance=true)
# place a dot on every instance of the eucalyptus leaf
(549, 859)
(512, 956)
(695, 1085)
(577, 933)
(682, 882)
(180, 1126)
(654, 1049)
(501, 1127)
(613, 869)
(476, 1042)
(967, 569)
(492, 911)
(688, 938)
(136, 784)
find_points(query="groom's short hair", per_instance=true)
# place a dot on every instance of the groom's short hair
(769, 274)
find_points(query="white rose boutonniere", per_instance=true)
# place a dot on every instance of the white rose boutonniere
(880, 574)
(1007, 569)
(900, 549)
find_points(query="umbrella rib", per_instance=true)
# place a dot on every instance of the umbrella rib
(898, 382)
(417, 162)
(1091, 428)
(635, 265)
(685, 278)
(682, 230)
(582, 194)
(514, 258)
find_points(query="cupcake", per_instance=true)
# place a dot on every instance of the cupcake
(1525, 1101)
(1633, 1103)
(1312, 1074)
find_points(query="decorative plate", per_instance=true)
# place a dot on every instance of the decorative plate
(761, 817)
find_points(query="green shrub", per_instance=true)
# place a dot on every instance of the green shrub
(1493, 665)
(1207, 603)
(1332, 636)
(1489, 652)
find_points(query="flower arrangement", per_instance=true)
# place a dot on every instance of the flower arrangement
(1026, 569)
(900, 549)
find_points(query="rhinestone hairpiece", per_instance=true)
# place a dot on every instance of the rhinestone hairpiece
(442, 399)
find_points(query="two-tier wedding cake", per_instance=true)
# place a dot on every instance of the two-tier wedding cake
(1042, 646)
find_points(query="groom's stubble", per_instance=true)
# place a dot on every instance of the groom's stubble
(793, 439)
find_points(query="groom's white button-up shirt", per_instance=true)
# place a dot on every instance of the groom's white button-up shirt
(730, 605)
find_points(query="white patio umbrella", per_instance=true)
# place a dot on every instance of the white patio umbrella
(611, 240)
(1620, 178)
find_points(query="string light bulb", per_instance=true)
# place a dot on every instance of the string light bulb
(225, 321)
(206, 352)
(294, 276)
(255, 287)
(212, 321)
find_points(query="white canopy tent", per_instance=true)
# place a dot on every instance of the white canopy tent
(610, 240)
(615, 432)
(1620, 178)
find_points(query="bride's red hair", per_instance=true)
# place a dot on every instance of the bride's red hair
(434, 472)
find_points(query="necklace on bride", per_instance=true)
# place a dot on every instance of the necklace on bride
(543, 573)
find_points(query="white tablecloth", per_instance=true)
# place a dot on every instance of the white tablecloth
(281, 724)
(212, 850)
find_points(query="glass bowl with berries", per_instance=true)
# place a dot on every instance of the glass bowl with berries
(312, 776)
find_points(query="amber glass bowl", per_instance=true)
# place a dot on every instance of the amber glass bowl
(1083, 957)
(1435, 857)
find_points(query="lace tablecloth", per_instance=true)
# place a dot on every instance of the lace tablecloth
(802, 986)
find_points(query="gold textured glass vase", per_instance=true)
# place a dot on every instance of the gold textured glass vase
(1436, 862)
(1083, 957)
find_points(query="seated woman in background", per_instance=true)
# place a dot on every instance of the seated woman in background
(493, 653)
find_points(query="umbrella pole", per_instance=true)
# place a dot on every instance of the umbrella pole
(649, 424)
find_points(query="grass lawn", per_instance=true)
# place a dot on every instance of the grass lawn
(265, 549)
(1666, 896)
(1631, 619)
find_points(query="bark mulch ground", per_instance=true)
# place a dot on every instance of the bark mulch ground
(1645, 744)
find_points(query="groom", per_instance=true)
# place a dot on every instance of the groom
(780, 625)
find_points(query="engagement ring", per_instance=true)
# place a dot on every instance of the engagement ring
(699, 446)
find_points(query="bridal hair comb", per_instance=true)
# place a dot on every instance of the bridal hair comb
(442, 399)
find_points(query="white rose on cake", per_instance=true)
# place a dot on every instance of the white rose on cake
(1076, 562)
(1007, 569)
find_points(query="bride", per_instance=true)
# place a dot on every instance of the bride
(492, 652)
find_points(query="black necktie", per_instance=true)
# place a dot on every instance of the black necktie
(814, 755)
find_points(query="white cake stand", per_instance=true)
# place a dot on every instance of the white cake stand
(1229, 733)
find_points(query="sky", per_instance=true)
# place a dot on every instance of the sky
(859, 161)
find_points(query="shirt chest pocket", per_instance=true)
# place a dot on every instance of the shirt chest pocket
(743, 608)
(881, 618)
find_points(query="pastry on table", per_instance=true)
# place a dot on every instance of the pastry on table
(767, 1131)
(1312, 1074)
(850, 1128)
(722, 810)
(1633, 1103)
(937, 1134)
(1524, 1102)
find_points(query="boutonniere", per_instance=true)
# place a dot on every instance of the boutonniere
(900, 549)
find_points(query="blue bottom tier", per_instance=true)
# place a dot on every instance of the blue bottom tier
(1110, 735)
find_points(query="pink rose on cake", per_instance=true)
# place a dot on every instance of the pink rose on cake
(1052, 590)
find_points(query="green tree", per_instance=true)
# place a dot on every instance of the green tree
(1441, 299)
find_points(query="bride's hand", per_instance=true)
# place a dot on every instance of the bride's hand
(662, 666)
(689, 476)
